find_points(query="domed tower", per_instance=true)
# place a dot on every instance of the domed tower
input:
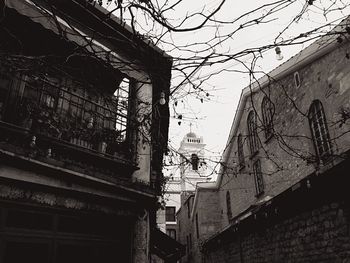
(192, 165)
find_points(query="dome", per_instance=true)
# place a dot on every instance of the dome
(191, 135)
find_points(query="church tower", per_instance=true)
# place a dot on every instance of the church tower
(182, 182)
(192, 163)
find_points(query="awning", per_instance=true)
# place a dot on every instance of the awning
(166, 247)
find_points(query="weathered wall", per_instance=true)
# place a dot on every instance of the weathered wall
(318, 235)
(326, 79)
(209, 219)
(185, 228)
(209, 222)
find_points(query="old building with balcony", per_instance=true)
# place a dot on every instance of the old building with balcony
(82, 135)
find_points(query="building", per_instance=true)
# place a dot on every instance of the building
(180, 189)
(182, 182)
(198, 219)
(282, 189)
(82, 135)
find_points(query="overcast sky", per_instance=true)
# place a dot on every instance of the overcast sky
(213, 118)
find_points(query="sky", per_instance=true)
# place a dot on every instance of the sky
(213, 117)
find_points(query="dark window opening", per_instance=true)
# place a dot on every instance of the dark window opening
(171, 233)
(258, 178)
(194, 161)
(320, 133)
(29, 220)
(22, 251)
(241, 161)
(267, 114)
(228, 205)
(252, 133)
(297, 81)
(170, 214)
(188, 208)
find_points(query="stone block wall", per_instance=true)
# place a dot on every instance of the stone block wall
(318, 235)
(282, 156)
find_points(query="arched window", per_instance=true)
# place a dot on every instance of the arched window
(319, 131)
(194, 161)
(252, 133)
(268, 110)
(297, 79)
(228, 204)
(241, 161)
(258, 178)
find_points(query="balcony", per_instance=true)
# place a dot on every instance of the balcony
(61, 122)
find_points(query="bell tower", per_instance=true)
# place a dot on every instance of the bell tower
(193, 167)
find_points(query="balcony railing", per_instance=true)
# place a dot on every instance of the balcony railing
(58, 115)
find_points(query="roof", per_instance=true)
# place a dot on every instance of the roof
(166, 247)
(78, 20)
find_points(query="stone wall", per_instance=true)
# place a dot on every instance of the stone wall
(289, 155)
(308, 222)
(318, 235)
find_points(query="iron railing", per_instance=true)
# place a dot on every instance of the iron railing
(66, 111)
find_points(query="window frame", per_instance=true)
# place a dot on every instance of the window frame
(171, 233)
(267, 110)
(258, 178)
(194, 162)
(297, 80)
(228, 205)
(252, 133)
(168, 214)
(240, 151)
(318, 125)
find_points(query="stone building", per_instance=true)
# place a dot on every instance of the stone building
(83, 127)
(282, 189)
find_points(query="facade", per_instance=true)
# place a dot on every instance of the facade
(82, 135)
(282, 189)
(198, 219)
(183, 181)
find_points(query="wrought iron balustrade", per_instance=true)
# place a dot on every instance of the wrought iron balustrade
(62, 110)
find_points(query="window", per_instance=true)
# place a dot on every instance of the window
(241, 161)
(194, 161)
(319, 131)
(258, 178)
(252, 133)
(170, 214)
(297, 79)
(197, 226)
(267, 114)
(171, 233)
(228, 205)
(188, 208)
